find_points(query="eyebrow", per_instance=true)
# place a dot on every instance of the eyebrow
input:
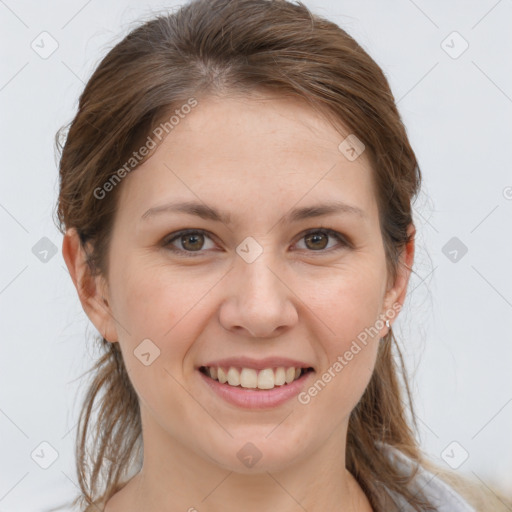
(295, 215)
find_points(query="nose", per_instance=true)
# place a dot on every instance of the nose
(258, 302)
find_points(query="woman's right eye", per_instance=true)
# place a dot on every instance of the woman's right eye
(191, 241)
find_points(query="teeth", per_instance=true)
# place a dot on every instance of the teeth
(266, 379)
(221, 376)
(251, 378)
(233, 377)
(290, 375)
(280, 376)
(248, 378)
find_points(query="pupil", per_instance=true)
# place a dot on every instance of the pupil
(192, 238)
(315, 237)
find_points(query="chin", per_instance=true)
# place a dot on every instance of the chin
(256, 453)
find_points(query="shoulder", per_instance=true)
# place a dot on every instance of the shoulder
(440, 494)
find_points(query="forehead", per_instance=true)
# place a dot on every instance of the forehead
(248, 151)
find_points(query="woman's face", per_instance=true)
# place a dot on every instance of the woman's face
(254, 287)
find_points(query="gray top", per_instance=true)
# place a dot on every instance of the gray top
(438, 492)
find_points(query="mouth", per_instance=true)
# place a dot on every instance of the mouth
(250, 378)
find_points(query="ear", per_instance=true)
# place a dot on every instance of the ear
(395, 295)
(92, 290)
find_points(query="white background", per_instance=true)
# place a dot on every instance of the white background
(458, 321)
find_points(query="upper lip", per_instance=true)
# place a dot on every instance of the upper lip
(257, 364)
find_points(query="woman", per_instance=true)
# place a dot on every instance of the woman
(235, 195)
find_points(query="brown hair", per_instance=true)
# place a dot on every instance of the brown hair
(224, 47)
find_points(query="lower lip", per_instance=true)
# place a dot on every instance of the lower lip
(256, 398)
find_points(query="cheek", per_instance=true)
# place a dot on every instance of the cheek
(350, 307)
(154, 301)
(347, 302)
(349, 363)
(163, 306)
(156, 313)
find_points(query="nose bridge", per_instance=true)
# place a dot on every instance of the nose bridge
(257, 280)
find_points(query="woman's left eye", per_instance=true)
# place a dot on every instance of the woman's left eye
(192, 240)
(317, 238)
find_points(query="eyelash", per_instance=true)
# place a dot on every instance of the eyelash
(174, 236)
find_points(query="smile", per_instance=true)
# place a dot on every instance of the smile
(249, 378)
(250, 388)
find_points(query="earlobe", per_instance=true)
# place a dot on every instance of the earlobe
(92, 289)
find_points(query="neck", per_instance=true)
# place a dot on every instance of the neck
(175, 478)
